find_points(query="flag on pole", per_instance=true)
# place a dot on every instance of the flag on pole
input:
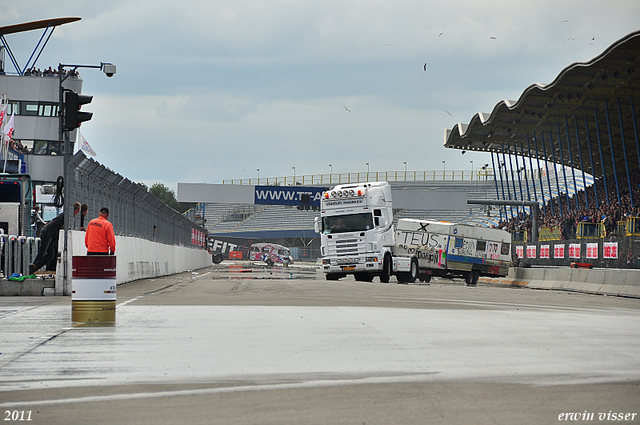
(8, 129)
(3, 112)
(84, 145)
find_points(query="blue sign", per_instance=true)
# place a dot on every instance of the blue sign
(288, 195)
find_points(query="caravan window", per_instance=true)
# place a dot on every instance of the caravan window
(482, 246)
(504, 250)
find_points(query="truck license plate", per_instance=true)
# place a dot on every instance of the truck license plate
(346, 268)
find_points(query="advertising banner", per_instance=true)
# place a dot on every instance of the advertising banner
(610, 250)
(288, 195)
(574, 250)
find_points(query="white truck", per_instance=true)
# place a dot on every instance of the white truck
(358, 237)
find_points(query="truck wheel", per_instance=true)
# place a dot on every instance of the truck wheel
(385, 275)
(413, 271)
(411, 275)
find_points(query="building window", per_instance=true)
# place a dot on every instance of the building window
(29, 108)
(43, 147)
(40, 109)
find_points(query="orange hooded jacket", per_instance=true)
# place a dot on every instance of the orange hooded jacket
(100, 237)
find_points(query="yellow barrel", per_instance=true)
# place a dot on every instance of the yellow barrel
(93, 313)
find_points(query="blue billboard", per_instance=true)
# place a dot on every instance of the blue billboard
(288, 195)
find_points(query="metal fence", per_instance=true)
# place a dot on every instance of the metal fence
(610, 252)
(133, 211)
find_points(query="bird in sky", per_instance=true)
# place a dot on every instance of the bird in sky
(426, 65)
(346, 109)
(493, 38)
(449, 114)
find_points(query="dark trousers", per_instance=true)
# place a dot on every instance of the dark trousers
(47, 252)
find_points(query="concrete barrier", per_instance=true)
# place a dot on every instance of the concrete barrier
(619, 282)
(25, 288)
(138, 259)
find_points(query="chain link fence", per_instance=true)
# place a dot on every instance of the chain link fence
(132, 210)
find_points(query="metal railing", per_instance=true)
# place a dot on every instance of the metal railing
(590, 230)
(629, 227)
(16, 253)
(476, 174)
(132, 210)
(389, 176)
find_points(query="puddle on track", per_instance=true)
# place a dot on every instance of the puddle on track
(262, 271)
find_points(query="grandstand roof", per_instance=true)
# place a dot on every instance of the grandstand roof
(35, 25)
(593, 100)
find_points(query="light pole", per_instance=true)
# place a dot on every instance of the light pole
(444, 169)
(294, 175)
(471, 170)
(258, 170)
(109, 69)
(330, 172)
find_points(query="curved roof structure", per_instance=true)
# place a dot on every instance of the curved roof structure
(590, 110)
(35, 25)
(49, 25)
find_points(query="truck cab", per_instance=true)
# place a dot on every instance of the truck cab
(356, 231)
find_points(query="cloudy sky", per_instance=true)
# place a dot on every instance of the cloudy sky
(209, 90)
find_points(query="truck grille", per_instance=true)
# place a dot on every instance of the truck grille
(344, 247)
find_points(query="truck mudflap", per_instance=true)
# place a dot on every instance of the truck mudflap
(401, 264)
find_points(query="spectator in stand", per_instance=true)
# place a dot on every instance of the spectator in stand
(607, 213)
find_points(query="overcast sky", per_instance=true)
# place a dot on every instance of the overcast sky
(209, 90)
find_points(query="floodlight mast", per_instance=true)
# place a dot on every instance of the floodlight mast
(109, 69)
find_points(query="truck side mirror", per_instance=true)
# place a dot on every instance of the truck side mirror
(381, 221)
(317, 224)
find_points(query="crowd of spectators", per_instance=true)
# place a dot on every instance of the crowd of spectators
(576, 210)
(18, 147)
(51, 72)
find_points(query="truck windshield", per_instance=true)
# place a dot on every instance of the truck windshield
(347, 223)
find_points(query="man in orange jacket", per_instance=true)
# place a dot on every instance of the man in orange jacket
(99, 238)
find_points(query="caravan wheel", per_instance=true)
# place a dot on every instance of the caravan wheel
(471, 278)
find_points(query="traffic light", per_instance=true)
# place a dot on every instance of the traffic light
(73, 117)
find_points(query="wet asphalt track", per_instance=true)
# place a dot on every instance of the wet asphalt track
(243, 343)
